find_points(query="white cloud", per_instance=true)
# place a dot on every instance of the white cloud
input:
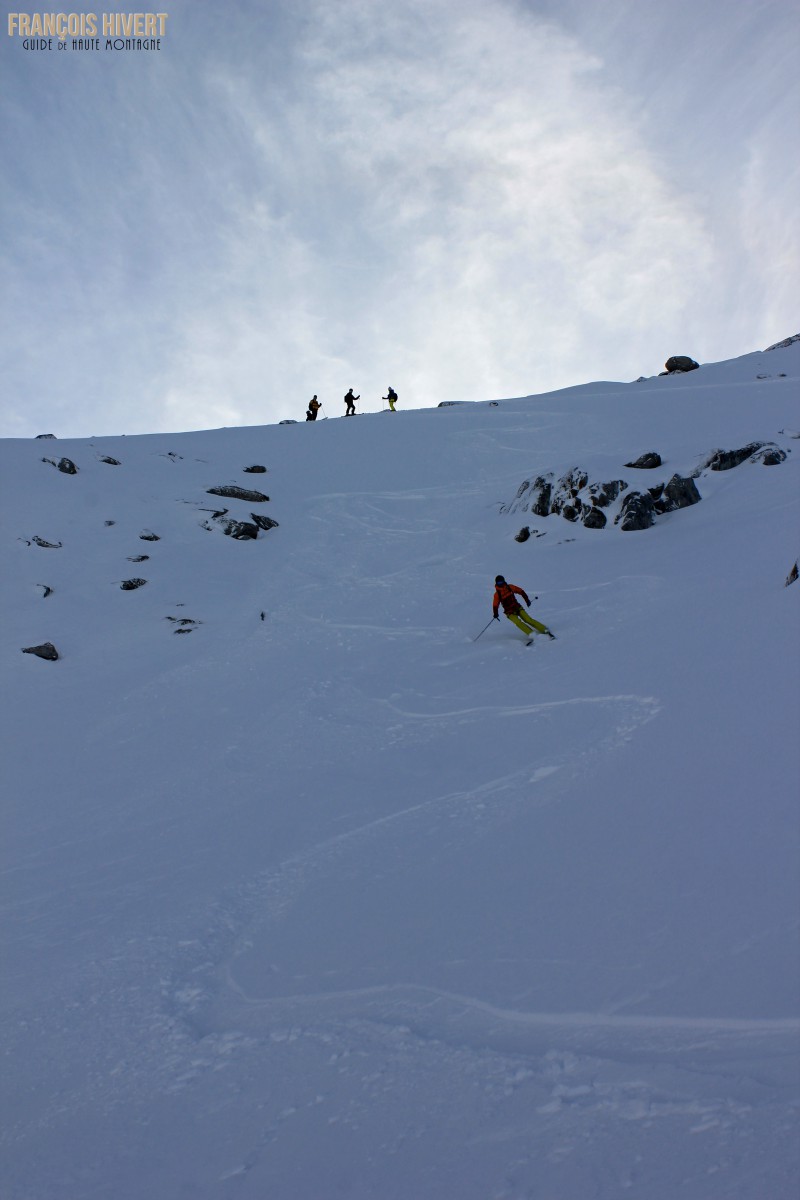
(470, 210)
(458, 201)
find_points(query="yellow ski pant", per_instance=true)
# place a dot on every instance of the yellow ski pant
(524, 621)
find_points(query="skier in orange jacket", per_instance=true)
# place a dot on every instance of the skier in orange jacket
(506, 594)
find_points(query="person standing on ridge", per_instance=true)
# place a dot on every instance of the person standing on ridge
(350, 403)
(313, 408)
(392, 397)
(506, 594)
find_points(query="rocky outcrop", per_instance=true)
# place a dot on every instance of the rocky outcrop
(130, 585)
(65, 465)
(778, 345)
(264, 523)
(571, 496)
(638, 512)
(594, 518)
(764, 452)
(257, 469)
(38, 541)
(112, 462)
(232, 492)
(147, 535)
(792, 576)
(678, 493)
(646, 462)
(46, 650)
(601, 495)
(45, 437)
(680, 363)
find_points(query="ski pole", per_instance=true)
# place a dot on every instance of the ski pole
(483, 631)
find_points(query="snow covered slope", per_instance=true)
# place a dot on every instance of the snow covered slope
(318, 896)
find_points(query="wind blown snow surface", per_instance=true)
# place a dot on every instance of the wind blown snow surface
(342, 902)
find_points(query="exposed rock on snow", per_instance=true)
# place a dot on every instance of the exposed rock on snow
(638, 512)
(65, 465)
(677, 493)
(792, 576)
(232, 492)
(45, 437)
(571, 496)
(46, 650)
(242, 531)
(523, 534)
(646, 462)
(764, 452)
(678, 364)
(601, 495)
(147, 535)
(786, 342)
(264, 522)
(594, 518)
(257, 469)
(112, 462)
(130, 585)
(46, 545)
(184, 624)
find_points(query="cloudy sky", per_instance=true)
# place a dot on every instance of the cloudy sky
(463, 199)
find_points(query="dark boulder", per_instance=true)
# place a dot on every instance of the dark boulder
(679, 363)
(242, 531)
(147, 535)
(237, 493)
(65, 465)
(47, 651)
(677, 493)
(637, 512)
(130, 585)
(264, 522)
(112, 462)
(523, 534)
(594, 518)
(46, 545)
(138, 557)
(257, 469)
(770, 456)
(646, 462)
(46, 437)
(792, 576)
